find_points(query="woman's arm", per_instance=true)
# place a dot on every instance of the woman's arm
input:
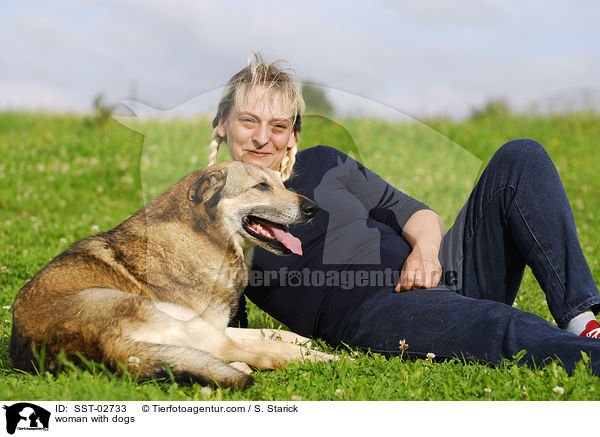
(423, 231)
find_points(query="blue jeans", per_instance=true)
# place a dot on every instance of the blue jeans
(518, 214)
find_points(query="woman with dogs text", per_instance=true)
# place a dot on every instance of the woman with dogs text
(451, 292)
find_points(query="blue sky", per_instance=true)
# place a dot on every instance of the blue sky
(418, 57)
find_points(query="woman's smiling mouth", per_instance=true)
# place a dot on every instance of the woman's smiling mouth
(258, 154)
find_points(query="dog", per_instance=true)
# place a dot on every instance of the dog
(155, 294)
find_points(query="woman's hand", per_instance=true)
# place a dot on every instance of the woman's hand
(422, 269)
(424, 231)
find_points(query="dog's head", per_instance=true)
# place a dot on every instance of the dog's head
(250, 204)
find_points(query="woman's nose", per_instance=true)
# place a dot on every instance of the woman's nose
(262, 135)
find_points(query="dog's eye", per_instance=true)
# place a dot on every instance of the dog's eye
(263, 186)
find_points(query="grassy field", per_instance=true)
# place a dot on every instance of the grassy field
(63, 178)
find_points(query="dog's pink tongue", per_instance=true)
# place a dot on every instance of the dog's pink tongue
(288, 240)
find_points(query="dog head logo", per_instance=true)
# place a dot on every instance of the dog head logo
(25, 416)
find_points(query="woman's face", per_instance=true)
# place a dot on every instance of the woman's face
(260, 131)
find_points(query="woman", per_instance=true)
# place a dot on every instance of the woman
(454, 293)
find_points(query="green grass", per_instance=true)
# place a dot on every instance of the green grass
(61, 176)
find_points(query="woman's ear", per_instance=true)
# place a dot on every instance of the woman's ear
(222, 128)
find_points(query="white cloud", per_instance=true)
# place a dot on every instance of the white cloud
(471, 13)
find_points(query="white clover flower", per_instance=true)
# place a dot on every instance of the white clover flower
(558, 390)
(339, 392)
(63, 241)
(296, 398)
(487, 390)
(430, 356)
(6, 307)
(134, 361)
(205, 391)
(403, 345)
(4, 269)
(95, 229)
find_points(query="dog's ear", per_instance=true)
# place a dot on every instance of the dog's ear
(207, 188)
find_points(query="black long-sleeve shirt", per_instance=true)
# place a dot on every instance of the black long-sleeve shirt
(352, 247)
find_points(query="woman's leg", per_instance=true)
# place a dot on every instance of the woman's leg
(518, 214)
(450, 325)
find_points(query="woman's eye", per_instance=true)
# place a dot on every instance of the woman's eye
(263, 186)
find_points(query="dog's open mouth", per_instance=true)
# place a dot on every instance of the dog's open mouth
(274, 234)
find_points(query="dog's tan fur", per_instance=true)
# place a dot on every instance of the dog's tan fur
(158, 290)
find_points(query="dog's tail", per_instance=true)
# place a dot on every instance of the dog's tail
(155, 361)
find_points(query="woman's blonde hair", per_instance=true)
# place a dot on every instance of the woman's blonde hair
(275, 79)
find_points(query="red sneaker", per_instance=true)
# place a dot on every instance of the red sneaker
(592, 330)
